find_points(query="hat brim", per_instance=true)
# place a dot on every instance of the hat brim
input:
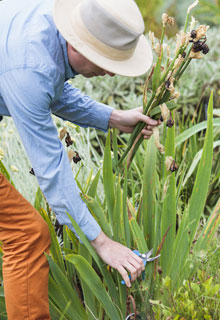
(137, 65)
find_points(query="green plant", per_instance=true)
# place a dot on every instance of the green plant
(195, 299)
(165, 74)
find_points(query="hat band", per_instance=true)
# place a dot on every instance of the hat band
(87, 38)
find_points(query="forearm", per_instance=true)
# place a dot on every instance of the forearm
(81, 109)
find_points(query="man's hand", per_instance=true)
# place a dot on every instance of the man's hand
(119, 257)
(126, 120)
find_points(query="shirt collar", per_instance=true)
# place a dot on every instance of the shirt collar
(69, 72)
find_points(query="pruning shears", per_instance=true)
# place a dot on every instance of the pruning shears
(146, 257)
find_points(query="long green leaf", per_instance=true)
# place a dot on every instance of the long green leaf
(168, 220)
(108, 180)
(94, 185)
(106, 275)
(66, 288)
(186, 134)
(149, 192)
(55, 247)
(191, 216)
(138, 236)
(118, 225)
(196, 161)
(60, 301)
(89, 297)
(94, 283)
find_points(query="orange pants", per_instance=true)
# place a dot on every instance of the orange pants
(25, 237)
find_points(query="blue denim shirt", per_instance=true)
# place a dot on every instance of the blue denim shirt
(34, 69)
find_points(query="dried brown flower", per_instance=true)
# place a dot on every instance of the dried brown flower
(167, 20)
(68, 140)
(62, 134)
(158, 145)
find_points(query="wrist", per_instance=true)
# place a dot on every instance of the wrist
(114, 119)
(99, 241)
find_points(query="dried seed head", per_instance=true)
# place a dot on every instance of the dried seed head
(201, 32)
(175, 95)
(76, 157)
(169, 85)
(157, 49)
(178, 62)
(170, 122)
(167, 20)
(70, 154)
(205, 48)
(68, 140)
(192, 23)
(32, 171)
(158, 145)
(193, 34)
(165, 112)
(73, 155)
(62, 133)
(195, 55)
(173, 167)
(171, 164)
(182, 40)
(193, 5)
(168, 162)
(152, 38)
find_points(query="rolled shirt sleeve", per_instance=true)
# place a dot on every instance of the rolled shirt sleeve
(28, 95)
(81, 109)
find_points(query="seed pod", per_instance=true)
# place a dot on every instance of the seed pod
(205, 48)
(173, 167)
(167, 84)
(170, 122)
(68, 140)
(193, 34)
(197, 46)
(76, 157)
(32, 172)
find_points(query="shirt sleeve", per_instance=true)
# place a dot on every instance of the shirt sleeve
(81, 109)
(28, 94)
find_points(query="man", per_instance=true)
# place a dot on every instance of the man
(39, 51)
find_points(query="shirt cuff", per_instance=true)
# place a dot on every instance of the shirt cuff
(103, 113)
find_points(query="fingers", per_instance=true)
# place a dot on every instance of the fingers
(149, 121)
(134, 266)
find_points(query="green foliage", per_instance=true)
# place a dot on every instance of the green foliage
(196, 299)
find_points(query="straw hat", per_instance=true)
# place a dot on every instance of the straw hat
(109, 33)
